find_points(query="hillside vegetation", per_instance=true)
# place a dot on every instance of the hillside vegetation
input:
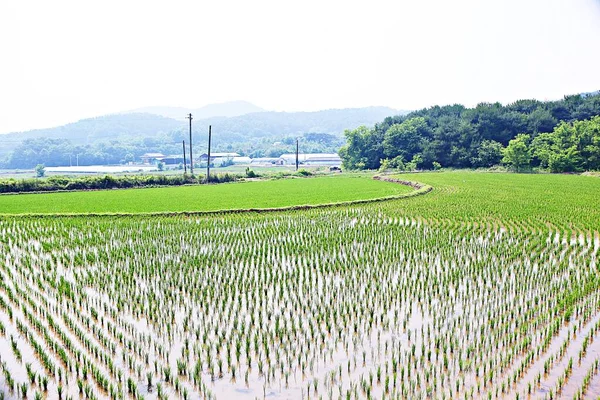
(560, 136)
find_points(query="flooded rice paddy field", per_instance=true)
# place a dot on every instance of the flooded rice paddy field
(348, 303)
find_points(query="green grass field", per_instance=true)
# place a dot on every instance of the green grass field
(257, 194)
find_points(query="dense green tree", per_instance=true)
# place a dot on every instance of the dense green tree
(525, 106)
(364, 149)
(540, 120)
(517, 154)
(489, 153)
(570, 147)
(446, 134)
(565, 160)
(405, 139)
(541, 148)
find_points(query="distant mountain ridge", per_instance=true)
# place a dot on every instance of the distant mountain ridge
(226, 109)
(279, 124)
(590, 94)
(112, 126)
(257, 124)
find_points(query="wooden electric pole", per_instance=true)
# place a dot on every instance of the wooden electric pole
(296, 154)
(184, 160)
(208, 160)
(191, 156)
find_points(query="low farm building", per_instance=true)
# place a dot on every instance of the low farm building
(151, 158)
(216, 161)
(213, 156)
(266, 161)
(171, 160)
(330, 159)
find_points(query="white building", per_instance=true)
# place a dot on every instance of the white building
(241, 160)
(330, 159)
(151, 158)
(217, 161)
(214, 156)
(267, 161)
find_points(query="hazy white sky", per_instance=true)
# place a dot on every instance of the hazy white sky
(66, 60)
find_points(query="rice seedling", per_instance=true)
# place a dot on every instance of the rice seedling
(24, 389)
(396, 299)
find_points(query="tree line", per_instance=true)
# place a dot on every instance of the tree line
(560, 136)
(53, 152)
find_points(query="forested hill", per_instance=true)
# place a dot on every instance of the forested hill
(108, 127)
(279, 124)
(547, 134)
(117, 138)
(228, 109)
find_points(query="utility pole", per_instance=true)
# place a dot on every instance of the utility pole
(296, 154)
(184, 161)
(208, 161)
(191, 156)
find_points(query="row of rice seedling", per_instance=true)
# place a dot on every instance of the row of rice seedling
(355, 302)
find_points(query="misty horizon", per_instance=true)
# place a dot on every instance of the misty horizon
(70, 61)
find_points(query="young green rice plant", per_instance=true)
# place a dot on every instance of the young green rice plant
(131, 387)
(10, 383)
(24, 389)
(149, 381)
(167, 374)
(181, 367)
(30, 373)
(15, 349)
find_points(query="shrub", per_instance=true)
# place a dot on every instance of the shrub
(104, 182)
(303, 172)
(40, 170)
(250, 173)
